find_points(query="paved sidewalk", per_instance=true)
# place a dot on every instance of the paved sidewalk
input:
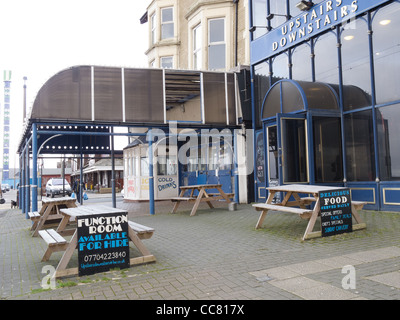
(215, 255)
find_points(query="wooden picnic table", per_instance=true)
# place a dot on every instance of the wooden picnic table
(56, 242)
(202, 196)
(312, 192)
(50, 211)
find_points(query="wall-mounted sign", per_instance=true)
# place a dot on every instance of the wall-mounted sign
(307, 24)
(103, 243)
(336, 215)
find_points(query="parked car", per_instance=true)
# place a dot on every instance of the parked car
(55, 187)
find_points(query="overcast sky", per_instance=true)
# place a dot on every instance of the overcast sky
(39, 38)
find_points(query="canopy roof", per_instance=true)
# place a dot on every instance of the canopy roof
(107, 95)
(95, 98)
(287, 96)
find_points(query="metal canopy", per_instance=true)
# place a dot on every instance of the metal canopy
(106, 95)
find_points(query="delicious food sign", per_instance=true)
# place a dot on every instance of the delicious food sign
(103, 242)
(336, 217)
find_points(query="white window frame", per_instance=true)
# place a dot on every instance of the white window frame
(210, 44)
(163, 23)
(197, 51)
(153, 27)
(164, 58)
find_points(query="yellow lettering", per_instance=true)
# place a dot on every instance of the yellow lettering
(292, 36)
(354, 6)
(344, 11)
(305, 17)
(313, 15)
(302, 32)
(328, 6)
(327, 20)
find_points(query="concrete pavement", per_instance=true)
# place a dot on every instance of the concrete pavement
(216, 255)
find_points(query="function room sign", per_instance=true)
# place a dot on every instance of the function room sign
(103, 242)
(336, 215)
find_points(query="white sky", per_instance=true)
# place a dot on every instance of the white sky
(39, 38)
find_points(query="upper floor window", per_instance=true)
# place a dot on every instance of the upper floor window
(197, 55)
(166, 62)
(167, 23)
(216, 44)
(153, 28)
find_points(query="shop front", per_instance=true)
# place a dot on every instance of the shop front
(325, 97)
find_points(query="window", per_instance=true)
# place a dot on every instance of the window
(166, 62)
(388, 142)
(153, 24)
(327, 150)
(280, 67)
(259, 11)
(301, 63)
(216, 44)
(326, 59)
(359, 146)
(356, 65)
(386, 46)
(277, 8)
(167, 23)
(197, 55)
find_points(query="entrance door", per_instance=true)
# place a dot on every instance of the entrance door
(292, 149)
(209, 163)
(286, 150)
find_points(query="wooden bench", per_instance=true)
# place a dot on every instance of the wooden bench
(54, 241)
(175, 199)
(141, 231)
(35, 217)
(265, 207)
(358, 205)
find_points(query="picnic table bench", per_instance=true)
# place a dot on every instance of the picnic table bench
(296, 190)
(49, 212)
(56, 241)
(202, 196)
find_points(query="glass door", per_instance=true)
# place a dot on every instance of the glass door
(292, 149)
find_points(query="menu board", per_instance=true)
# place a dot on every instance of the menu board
(336, 217)
(103, 242)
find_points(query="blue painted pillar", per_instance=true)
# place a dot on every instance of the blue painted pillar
(22, 182)
(113, 195)
(34, 167)
(151, 175)
(236, 169)
(27, 180)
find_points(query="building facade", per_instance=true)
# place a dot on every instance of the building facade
(199, 44)
(198, 35)
(326, 98)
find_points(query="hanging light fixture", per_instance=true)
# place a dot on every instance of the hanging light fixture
(304, 5)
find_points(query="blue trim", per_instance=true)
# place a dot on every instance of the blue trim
(34, 167)
(263, 46)
(295, 83)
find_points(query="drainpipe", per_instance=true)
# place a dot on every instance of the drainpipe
(236, 2)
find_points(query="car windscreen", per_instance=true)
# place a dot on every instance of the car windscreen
(59, 182)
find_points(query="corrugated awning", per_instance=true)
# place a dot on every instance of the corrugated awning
(106, 95)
